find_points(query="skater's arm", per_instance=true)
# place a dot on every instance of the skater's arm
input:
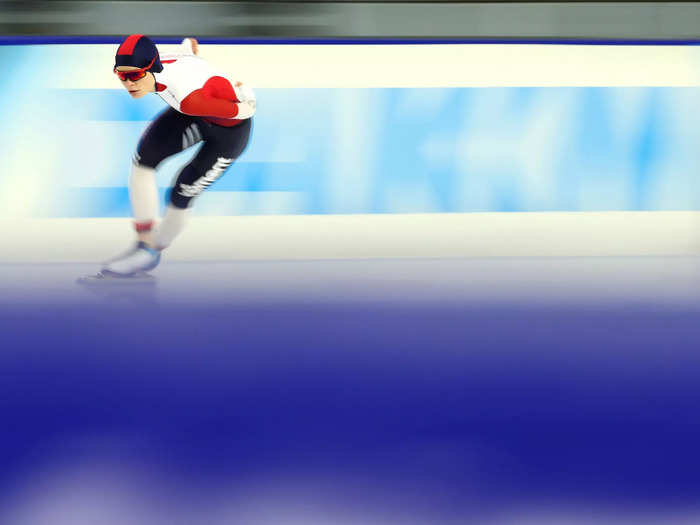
(217, 99)
(200, 104)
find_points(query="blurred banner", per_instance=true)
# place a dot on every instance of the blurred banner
(488, 20)
(374, 129)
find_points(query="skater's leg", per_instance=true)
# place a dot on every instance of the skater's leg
(170, 227)
(221, 147)
(169, 134)
(143, 193)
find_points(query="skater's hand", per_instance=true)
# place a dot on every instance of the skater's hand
(244, 93)
(193, 44)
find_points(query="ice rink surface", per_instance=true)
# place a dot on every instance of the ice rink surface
(653, 282)
(412, 390)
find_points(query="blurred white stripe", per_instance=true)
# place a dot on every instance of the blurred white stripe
(449, 65)
(556, 234)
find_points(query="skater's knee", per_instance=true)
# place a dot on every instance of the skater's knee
(178, 200)
(189, 184)
(142, 160)
(195, 178)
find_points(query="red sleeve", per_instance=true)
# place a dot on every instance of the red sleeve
(215, 99)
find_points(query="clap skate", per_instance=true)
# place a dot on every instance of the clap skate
(132, 266)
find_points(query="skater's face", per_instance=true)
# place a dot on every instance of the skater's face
(137, 88)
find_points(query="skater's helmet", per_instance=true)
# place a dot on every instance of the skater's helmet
(138, 51)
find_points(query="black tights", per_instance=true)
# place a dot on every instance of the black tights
(171, 132)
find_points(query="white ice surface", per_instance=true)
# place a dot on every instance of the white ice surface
(654, 281)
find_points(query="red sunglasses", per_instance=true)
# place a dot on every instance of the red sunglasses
(134, 74)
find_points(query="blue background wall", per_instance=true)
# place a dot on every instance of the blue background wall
(366, 150)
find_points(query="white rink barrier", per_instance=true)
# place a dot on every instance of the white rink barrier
(270, 237)
(415, 66)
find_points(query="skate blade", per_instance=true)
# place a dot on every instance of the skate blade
(106, 277)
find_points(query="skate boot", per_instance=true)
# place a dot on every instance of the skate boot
(137, 261)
